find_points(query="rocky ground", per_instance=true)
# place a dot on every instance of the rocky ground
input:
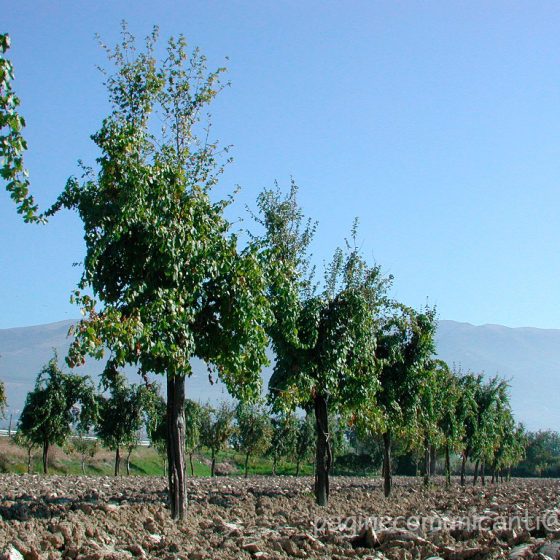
(275, 517)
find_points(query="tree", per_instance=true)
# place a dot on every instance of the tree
(254, 431)
(22, 440)
(12, 143)
(216, 429)
(324, 341)
(160, 255)
(304, 440)
(121, 415)
(405, 342)
(86, 447)
(156, 426)
(283, 438)
(50, 408)
(193, 418)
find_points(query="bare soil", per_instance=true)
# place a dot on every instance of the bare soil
(275, 517)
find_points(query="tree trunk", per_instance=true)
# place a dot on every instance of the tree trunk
(117, 461)
(128, 461)
(447, 466)
(463, 465)
(298, 464)
(213, 465)
(433, 460)
(29, 461)
(427, 463)
(508, 476)
(387, 467)
(176, 446)
(191, 464)
(46, 457)
(246, 464)
(83, 465)
(475, 477)
(482, 479)
(323, 456)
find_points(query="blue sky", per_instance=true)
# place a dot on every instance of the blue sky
(436, 123)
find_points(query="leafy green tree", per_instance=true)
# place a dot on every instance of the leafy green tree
(121, 415)
(253, 431)
(160, 255)
(451, 422)
(467, 409)
(405, 343)
(24, 441)
(156, 426)
(12, 143)
(216, 429)
(305, 439)
(84, 446)
(193, 419)
(50, 408)
(324, 341)
(283, 438)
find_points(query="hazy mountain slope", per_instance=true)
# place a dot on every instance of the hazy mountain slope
(529, 357)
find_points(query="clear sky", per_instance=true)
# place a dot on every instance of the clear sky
(436, 123)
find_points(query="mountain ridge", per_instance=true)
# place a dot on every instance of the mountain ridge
(529, 357)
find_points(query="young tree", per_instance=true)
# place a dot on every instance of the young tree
(216, 429)
(159, 253)
(304, 441)
(283, 438)
(253, 431)
(405, 343)
(156, 426)
(121, 415)
(324, 341)
(49, 409)
(22, 440)
(193, 418)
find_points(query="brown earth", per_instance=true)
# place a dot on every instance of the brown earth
(275, 517)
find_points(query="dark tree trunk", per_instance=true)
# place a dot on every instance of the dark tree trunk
(475, 477)
(213, 465)
(447, 466)
(246, 464)
(387, 467)
(508, 477)
(323, 458)
(427, 463)
(46, 458)
(29, 461)
(482, 479)
(117, 461)
(463, 465)
(191, 463)
(298, 464)
(176, 446)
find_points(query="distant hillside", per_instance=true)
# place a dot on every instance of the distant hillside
(529, 357)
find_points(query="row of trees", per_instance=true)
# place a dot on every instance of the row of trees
(166, 279)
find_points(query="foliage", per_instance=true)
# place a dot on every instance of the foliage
(253, 430)
(121, 413)
(217, 428)
(284, 433)
(305, 440)
(50, 408)
(12, 143)
(193, 419)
